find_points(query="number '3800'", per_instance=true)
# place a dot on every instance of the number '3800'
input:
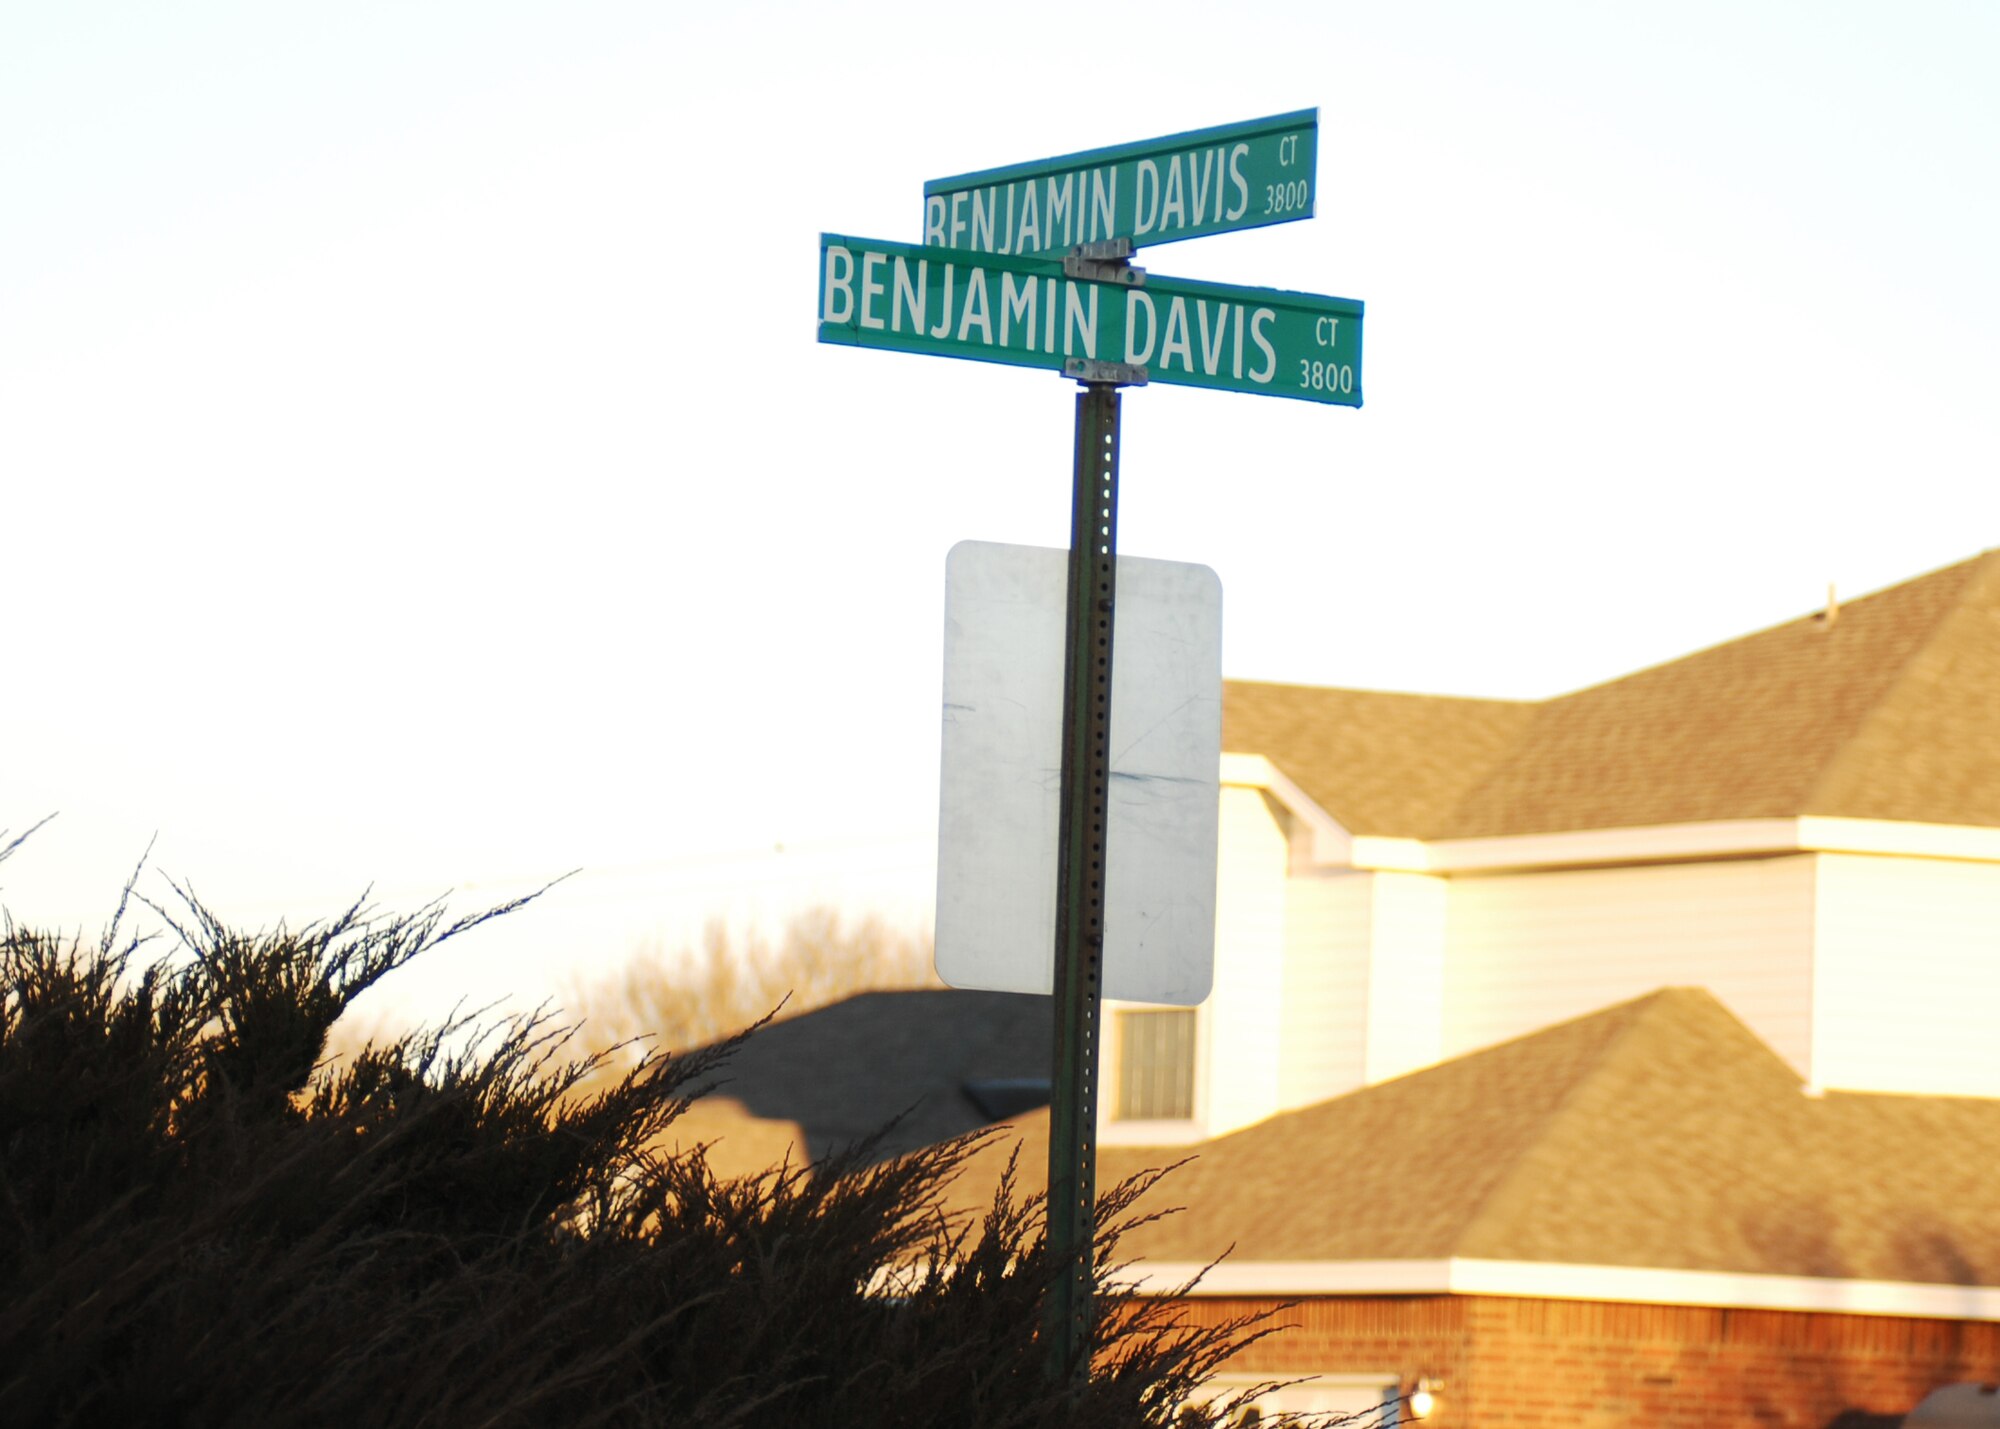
(1335, 377)
(1287, 197)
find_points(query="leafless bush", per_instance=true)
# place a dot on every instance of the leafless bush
(204, 1220)
(692, 996)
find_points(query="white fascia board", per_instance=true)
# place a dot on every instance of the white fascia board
(1537, 1280)
(1377, 854)
(1289, 1277)
(1907, 840)
(1326, 843)
(1656, 843)
(1678, 843)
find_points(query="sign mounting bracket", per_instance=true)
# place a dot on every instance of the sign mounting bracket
(1115, 374)
(1106, 262)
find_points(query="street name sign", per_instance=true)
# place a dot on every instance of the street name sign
(1002, 758)
(1030, 313)
(1233, 176)
(1062, 762)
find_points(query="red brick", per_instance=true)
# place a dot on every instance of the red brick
(1535, 1364)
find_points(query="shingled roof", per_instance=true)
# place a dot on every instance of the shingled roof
(902, 1066)
(1660, 1133)
(1890, 711)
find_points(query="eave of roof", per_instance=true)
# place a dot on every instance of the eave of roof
(1657, 1137)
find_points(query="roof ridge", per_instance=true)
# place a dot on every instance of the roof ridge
(1986, 564)
(1637, 1012)
(1808, 716)
(1745, 728)
(1763, 630)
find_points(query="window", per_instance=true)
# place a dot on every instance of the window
(1156, 1065)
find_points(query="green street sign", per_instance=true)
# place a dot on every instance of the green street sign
(1215, 180)
(1029, 312)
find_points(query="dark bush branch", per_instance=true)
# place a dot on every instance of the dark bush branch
(8, 847)
(204, 1219)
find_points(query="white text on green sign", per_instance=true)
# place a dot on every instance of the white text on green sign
(1025, 311)
(1215, 180)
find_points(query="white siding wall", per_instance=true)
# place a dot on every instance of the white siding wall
(1237, 1058)
(1323, 1030)
(1862, 972)
(1406, 974)
(1527, 950)
(1908, 993)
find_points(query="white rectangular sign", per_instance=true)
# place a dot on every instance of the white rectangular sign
(1002, 768)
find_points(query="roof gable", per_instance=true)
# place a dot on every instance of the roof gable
(1660, 1133)
(1407, 1169)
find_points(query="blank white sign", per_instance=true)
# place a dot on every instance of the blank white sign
(1002, 771)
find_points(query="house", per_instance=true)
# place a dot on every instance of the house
(1626, 1057)
(1639, 1216)
(1805, 821)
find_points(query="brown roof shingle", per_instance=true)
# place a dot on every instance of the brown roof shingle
(1380, 763)
(1891, 711)
(1660, 1133)
(889, 1064)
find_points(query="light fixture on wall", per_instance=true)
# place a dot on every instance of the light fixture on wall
(1423, 1398)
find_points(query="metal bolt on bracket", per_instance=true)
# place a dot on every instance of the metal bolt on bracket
(1118, 374)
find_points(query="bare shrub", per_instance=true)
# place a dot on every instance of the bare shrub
(204, 1220)
(691, 996)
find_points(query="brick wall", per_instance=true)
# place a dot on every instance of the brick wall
(1535, 1364)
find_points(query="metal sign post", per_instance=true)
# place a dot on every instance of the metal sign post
(988, 284)
(1080, 846)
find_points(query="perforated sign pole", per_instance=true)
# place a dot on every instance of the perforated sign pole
(1080, 864)
(994, 284)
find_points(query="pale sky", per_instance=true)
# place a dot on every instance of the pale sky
(417, 467)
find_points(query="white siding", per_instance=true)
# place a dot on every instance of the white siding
(1237, 1059)
(1908, 991)
(1528, 950)
(1406, 974)
(1323, 1029)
